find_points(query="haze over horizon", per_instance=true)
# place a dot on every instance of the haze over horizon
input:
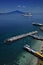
(35, 6)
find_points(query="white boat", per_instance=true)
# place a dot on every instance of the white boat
(27, 14)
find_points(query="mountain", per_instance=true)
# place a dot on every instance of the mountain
(13, 12)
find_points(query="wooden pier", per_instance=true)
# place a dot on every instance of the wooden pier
(19, 36)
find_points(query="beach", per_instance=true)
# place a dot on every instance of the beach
(27, 58)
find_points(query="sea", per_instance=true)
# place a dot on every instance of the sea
(15, 24)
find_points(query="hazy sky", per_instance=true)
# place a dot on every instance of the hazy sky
(35, 6)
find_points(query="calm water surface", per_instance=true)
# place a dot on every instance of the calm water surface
(12, 25)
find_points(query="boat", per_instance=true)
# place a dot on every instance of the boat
(27, 14)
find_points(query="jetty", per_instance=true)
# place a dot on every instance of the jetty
(41, 28)
(37, 37)
(31, 51)
(19, 36)
(37, 24)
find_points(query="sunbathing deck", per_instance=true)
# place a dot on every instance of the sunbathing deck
(37, 24)
(19, 36)
(37, 37)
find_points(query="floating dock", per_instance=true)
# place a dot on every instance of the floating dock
(37, 37)
(37, 24)
(19, 36)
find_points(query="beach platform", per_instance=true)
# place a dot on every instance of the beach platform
(19, 36)
(37, 24)
(37, 37)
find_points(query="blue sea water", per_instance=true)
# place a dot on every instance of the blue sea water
(12, 25)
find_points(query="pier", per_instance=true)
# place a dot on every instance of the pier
(37, 24)
(37, 37)
(31, 51)
(41, 28)
(19, 37)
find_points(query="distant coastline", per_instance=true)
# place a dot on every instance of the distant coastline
(17, 12)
